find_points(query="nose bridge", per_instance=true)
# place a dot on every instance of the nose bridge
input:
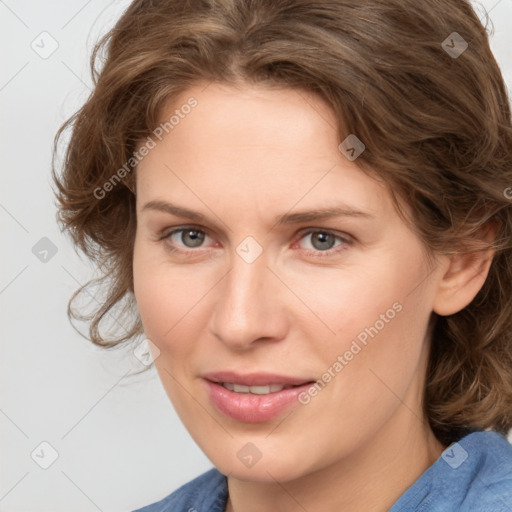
(247, 308)
(246, 281)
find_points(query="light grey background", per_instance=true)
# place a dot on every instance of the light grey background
(120, 444)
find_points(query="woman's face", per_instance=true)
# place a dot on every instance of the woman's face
(263, 286)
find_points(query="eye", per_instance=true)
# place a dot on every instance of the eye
(187, 239)
(189, 236)
(322, 242)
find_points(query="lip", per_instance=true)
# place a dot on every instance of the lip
(252, 408)
(255, 379)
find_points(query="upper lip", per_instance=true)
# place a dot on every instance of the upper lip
(254, 378)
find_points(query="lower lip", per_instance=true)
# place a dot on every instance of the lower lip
(252, 408)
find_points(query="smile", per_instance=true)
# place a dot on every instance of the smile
(253, 396)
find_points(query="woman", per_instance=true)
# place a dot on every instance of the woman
(306, 206)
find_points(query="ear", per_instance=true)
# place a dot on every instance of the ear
(465, 275)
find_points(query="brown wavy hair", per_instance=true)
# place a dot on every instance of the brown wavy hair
(437, 130)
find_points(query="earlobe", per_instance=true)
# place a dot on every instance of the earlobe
(464, 277)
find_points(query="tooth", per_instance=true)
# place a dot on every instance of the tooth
(260, 390)
(257, 390)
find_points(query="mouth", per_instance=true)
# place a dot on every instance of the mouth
(254, 398)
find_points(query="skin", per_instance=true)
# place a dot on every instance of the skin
(242, 157)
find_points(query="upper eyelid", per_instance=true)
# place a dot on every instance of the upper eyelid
(171, 231)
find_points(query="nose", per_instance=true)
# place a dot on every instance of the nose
(251, 305)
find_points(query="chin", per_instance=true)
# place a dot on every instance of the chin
(266, 469)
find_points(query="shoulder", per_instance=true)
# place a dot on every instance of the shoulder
(475, 473)
(486, 470)
(208, 491)
(471, 475)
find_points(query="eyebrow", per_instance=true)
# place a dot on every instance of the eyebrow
(287, 218)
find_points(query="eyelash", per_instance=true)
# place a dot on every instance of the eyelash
(347, 241)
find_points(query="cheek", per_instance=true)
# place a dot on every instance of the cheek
(161, 305)
(168, 298)
(379, 318)
(350, 302)
(156, 301)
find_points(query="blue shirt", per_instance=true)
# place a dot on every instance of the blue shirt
(471, 475)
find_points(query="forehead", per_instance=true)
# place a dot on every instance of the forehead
(255, 114)
(256, 144)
